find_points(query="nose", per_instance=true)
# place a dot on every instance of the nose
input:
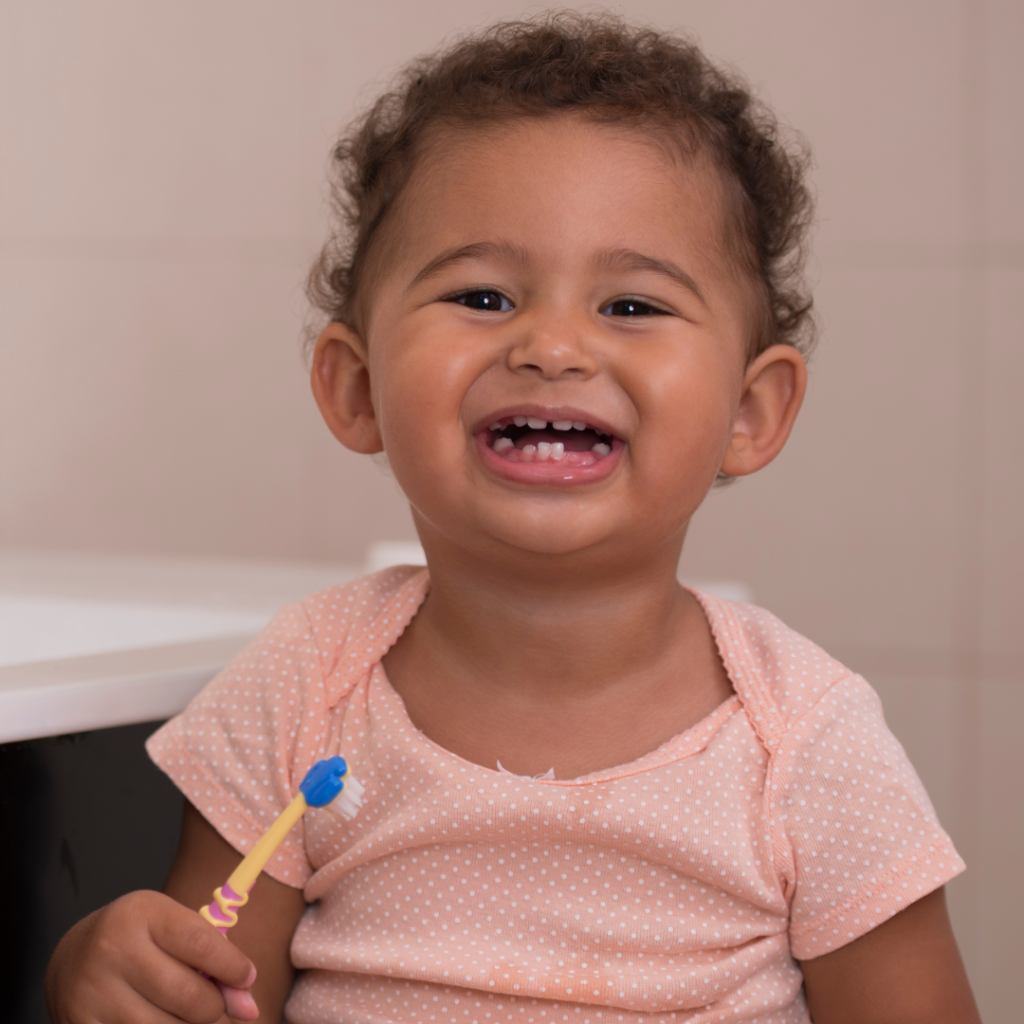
(553, 348)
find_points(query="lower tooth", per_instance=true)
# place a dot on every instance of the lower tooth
(544, 450)
(502, 443)
(528, 452)
(557, 450)
(601, 450)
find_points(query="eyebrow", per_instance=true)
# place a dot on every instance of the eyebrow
(504, 252)
(507, 252)
(628, 259)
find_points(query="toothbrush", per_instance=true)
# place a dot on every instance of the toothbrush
(327, 784)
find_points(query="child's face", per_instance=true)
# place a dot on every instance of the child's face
(563, 272)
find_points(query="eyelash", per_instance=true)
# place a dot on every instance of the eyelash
(649, 310)
(462, 297)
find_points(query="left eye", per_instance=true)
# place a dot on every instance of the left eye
(487, 301)
(631, 307)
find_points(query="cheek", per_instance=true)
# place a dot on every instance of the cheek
(418, 384)
(690, 407)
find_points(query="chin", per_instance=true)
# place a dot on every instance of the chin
(546, 538)
(550, 546)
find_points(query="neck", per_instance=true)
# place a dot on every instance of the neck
(553, 625)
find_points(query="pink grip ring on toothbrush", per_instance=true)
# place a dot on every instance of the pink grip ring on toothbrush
(222, 913)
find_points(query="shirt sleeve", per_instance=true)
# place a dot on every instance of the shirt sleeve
(856, 837)
(242, 746)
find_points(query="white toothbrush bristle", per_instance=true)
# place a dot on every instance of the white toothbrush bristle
(349, 801)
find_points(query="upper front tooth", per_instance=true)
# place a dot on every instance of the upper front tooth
(562, 424)
(579, 424)
(519, 421)
(535, 424)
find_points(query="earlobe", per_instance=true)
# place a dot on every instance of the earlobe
(773, 390)
(340, 379)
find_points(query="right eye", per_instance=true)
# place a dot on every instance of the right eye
(486, 300)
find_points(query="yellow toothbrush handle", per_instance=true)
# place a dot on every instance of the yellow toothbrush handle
(222, 913)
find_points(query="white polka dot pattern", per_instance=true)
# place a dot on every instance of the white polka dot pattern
(675, 888)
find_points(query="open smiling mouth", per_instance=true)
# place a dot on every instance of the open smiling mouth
(569, 443)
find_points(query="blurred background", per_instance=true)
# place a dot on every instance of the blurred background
(162, 193)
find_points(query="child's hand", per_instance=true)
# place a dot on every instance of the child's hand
(136, 960)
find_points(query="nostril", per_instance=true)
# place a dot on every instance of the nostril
(551, 371)
(549, 356)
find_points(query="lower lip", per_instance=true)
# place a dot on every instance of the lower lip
(551, 473)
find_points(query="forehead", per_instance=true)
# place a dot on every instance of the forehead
(561, 184)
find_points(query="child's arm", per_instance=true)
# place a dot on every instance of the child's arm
(265, 925)
(140, 952)
(267, 922)
(906, 971)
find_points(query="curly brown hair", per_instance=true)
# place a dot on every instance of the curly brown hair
(608, 71)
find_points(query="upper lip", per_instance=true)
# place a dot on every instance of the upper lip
(550, 413)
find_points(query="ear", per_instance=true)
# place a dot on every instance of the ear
(340, 379)
(773, 390)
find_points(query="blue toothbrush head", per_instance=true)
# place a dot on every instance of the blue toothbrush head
(324, 781)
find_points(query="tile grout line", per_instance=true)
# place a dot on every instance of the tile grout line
(969, 558)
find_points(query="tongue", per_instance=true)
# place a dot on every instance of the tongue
(573, 440)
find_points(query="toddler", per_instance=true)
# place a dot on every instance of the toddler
(564, 298)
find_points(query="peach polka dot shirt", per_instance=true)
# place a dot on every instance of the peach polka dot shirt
(680, 887)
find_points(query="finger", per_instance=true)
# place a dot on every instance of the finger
(129, 1007)
(194, 941)
(176, 989)
(239, 1002)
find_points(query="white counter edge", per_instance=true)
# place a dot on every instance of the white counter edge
(103, 690)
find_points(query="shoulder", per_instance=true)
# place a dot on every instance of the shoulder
(778, 674)
(352, 625)
(275, 694)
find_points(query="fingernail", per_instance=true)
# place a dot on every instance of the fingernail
(251, 979)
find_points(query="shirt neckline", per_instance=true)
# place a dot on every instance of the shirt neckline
(683, 745)
(676, 748)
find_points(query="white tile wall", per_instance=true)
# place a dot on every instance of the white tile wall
(1003, 497)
